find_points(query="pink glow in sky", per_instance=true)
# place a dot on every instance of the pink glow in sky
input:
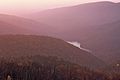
(18, 6)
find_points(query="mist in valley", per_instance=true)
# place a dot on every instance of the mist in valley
(59, 40)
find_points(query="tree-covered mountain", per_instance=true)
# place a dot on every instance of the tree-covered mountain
(94, 25)
(21, 45)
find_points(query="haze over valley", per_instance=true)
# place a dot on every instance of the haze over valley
(94, 25)
(77, 40)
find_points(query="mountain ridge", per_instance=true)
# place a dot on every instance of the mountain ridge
(85, 23)
(27, 45)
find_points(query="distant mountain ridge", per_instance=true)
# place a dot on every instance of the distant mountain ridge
(94, 25)
(91, 24)
(22, 25)
(90, 13)
(6, 28)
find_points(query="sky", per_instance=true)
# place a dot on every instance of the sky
(22, 6)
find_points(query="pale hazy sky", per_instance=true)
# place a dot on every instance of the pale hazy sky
(19, 6)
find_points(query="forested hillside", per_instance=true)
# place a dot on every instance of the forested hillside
(48, 68)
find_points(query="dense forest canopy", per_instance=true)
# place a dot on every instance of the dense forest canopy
(48, 68)
(26, 45)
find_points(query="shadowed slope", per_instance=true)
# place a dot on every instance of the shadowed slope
(21, 45)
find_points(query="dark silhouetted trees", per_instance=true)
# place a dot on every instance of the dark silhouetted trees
(48, 68)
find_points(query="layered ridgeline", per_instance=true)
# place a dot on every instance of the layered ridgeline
(90, 24)
(94, 25)
(21, 45)
(10, 24)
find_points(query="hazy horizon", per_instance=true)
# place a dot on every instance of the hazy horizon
(26, 6)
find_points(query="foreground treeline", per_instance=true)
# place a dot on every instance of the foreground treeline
(48, 68)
